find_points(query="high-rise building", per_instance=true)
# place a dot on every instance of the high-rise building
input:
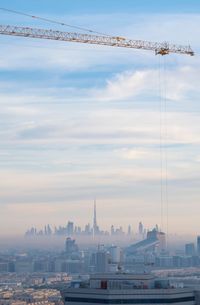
(87, 229)
(49, 230)
(140, 228)
(70, 247)
(198, 245)
(95, 226)
(112, 230)
(160, 236)
(129, 230)
(115, 254)
(101, 261)
(70, 228)
(190, 249)
(154, 242)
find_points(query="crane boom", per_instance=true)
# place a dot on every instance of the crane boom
(159, 48)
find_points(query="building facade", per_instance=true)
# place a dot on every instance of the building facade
(128, 289)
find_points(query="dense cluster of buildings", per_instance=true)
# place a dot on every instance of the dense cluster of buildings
(147, 253)
(71, 229)
(104, 274)
(13, 280)
(74, 230)
(29, 296)
(72, 260)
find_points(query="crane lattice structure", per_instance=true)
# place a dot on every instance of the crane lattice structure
(159, 48)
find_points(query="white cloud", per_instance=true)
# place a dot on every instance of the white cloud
(125, 85)
(135, 154)
(60, 144)
(175, 84)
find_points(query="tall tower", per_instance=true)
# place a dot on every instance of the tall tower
(198, 245)
(95, 226)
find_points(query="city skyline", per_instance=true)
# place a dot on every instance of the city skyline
(91, 229)
(82, 122)
(73, 229)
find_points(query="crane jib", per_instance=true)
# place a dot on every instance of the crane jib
(159, 48)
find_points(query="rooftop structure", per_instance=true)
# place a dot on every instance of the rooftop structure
(127, 289)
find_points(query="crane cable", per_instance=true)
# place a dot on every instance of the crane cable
(52, 21)
(163, 135)
(166, 151)
(160, 141)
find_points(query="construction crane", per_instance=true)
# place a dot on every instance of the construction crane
(159, 48)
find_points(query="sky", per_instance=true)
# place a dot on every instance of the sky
(80, 122)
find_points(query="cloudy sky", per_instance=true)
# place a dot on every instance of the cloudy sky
(80, 122)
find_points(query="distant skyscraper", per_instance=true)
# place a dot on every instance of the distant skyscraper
(189, 249)
(129, 230)
(87, 229)
(70, 246)
(49, 231)
(140, 228)
(70, 228)
(101, 261)
(155, 242)
(95, 226)
(198, 245)
(115, 254)
(160, 236)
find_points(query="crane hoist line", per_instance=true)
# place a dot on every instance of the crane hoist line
(163, 48)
